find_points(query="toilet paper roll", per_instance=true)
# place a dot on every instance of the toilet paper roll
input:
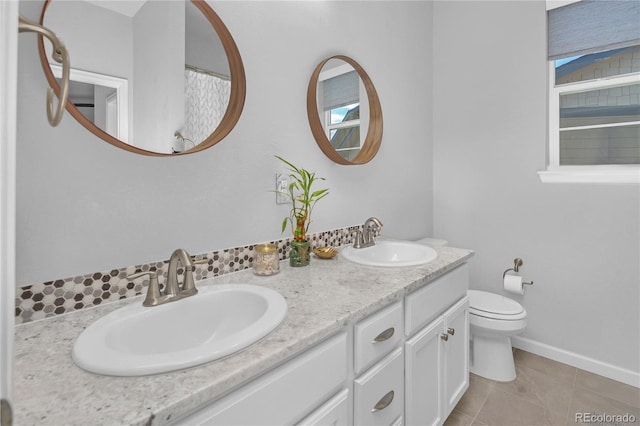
(513, 284)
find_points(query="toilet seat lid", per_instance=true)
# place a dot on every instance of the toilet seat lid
(491, 303)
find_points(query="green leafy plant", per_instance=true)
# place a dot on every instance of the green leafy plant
(303, 199)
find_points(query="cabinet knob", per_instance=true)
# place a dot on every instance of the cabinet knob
(385, 335)
(444, 336)
(384, 402)
(6, 412)
(451, 331)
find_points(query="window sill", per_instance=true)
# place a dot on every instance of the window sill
(591, 174)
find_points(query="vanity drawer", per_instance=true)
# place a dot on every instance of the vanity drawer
(379, 393)
(377, 335)
(426, 304)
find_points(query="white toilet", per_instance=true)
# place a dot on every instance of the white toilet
(493, 319)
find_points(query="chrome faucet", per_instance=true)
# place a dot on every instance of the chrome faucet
(173, 289)
(365, 237)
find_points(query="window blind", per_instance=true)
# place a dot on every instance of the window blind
(341, 90)
(592, 25)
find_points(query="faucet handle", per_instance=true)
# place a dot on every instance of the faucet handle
(357, 243)
(153, 291)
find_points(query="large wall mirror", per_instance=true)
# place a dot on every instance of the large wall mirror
(152, 77)
(344, 111)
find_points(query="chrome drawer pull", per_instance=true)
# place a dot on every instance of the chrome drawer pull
(444, 336)
(384, 402)
(385, 335)
(451, 331)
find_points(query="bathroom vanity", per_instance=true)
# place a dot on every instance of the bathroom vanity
(359, 345)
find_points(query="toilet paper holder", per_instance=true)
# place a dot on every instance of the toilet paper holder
(517, 263)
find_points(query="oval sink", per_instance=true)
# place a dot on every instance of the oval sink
(390, 254)
(218, 321)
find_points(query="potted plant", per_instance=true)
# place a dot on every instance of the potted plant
(303, 199)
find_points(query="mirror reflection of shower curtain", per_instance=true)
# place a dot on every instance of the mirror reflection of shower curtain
(206, 100)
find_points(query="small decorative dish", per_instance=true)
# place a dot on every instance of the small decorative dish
(325, 252)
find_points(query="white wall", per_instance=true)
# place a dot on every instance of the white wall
(8, 101)
(111, 56)
(158, 74)
(94, 52)
(85, 206)
(200, 37)
(579, 242)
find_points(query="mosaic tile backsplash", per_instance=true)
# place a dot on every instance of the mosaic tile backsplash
(42, 300)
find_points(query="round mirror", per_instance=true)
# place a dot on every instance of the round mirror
(151, 77)
(341, 102)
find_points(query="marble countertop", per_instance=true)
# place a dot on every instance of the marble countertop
(49, 389)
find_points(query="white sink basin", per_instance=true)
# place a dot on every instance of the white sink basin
(391, 254)
(218, 321)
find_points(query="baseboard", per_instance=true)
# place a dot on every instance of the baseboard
(576, 360)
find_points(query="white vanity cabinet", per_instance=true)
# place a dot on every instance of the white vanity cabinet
(404, 364)
(437, 351)
(286, 394)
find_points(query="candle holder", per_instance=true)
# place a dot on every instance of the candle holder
(266, 261)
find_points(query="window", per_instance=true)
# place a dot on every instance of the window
(340, 93)
(594, 92)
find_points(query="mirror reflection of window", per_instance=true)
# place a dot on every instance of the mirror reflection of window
(344, 130)
(344, 111)
(339, 95)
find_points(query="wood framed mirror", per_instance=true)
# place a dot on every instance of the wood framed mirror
(341, 101)
(163, 118)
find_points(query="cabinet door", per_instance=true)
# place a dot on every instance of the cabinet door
(424, 375)
(456, 323)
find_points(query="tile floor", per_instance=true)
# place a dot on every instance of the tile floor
(545, 392)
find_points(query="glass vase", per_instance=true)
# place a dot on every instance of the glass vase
(300, 253)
